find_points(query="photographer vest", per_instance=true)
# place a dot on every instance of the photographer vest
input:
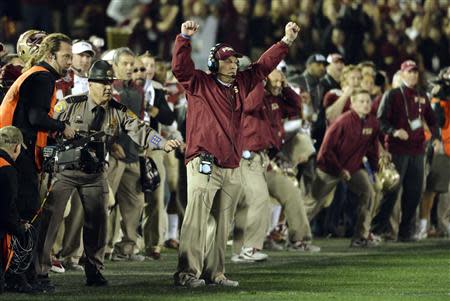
(9, 105)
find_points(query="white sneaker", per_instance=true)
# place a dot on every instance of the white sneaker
(227, 282)
(300, 246)
(236, 259)
(57, 267)
(421, 234)
(252, 255)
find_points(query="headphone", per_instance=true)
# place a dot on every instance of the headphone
(213, 62)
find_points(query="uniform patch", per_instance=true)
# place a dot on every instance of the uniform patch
(131, 114)
(155, 140)
(367, 131)
(61, 106)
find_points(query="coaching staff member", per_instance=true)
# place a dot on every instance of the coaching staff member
(214, 149)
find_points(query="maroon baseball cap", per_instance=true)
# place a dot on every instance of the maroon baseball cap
(225, 51)
(408, 66)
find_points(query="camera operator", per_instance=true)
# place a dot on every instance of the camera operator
(94, 113)
(439, 175)
(29, 105)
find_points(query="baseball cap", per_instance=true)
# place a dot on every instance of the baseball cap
(225, 51)
(82, 46)
(316, 58)
(408, 66)
(334, 57)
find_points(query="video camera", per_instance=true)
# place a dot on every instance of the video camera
(85, 153)
(443, 81)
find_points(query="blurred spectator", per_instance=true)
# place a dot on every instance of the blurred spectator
(37, 14)
(206, 34)
(355, 22)
(235, 14)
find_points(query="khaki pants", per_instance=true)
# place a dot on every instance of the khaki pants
(124, 179)
(252, 213)
(290, 197)
(155, 216)
(73, 224)
(209, 197)
(443, 213)
(359, 184)
(93, 192)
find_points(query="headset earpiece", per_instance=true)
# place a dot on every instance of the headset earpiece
(213, 63)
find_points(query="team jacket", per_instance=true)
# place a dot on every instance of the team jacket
(392, 116)
(214, 115)
(347, 140)
(263, 120)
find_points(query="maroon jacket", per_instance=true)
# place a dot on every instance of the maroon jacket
(214, 115)
(347, 140)
(392, 116)
(263, 120)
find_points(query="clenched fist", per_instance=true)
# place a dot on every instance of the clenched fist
(189, 28)
(291, 31)
(171, 145)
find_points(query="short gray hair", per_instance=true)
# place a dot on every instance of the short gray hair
(10, 136)
(121, 51)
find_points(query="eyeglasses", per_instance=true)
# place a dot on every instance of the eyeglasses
(139, 70)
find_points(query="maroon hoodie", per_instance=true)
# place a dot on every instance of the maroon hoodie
(214, 115)
(347, 140)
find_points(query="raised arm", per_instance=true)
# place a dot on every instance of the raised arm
(182, 65)
(271, 58)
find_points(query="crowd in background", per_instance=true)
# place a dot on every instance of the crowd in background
(343, 46)
(385, 32)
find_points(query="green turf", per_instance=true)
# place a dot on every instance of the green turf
(409, 271)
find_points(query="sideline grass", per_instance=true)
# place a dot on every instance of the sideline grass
(407, 271)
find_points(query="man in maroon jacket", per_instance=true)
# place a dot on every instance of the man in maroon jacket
(350, 138)
(402, 114)
(263, 131)
(213, 149)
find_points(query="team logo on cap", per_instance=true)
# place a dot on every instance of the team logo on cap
(226, 48)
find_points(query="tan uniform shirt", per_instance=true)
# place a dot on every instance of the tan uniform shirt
(78, 112)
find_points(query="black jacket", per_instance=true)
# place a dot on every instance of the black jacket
(165, 115)
(9, 217)
(32, 109)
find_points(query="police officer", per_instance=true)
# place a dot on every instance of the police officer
(92, 113)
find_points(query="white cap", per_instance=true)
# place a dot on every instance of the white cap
(82, 46)
(108, 55)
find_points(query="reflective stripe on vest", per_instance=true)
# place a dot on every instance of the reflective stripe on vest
(9, 105)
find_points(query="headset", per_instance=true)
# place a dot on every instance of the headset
(213, 62)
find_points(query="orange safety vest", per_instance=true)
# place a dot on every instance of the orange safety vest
(445, 130)
(7, 251)
(8, 107)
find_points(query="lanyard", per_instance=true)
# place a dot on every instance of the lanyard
(406, 105)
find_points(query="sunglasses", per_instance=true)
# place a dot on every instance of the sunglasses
(139, 70)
